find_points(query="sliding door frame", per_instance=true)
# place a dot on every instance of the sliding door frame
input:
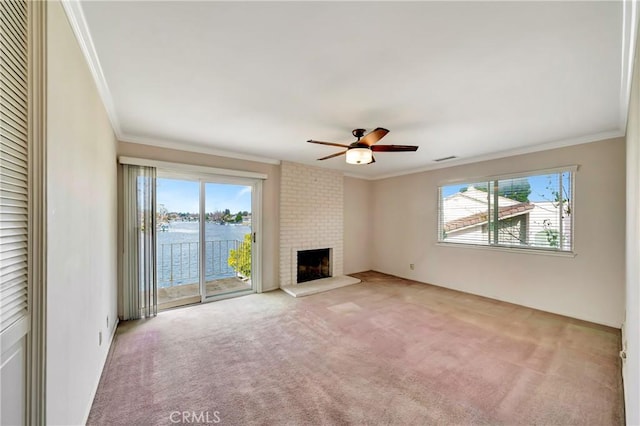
(255, 182)
(256, 215)
(192, 172)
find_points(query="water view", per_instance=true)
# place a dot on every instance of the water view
(227, 231)
(178, 251)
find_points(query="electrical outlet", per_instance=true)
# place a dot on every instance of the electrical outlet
(412, 266)
(99, 338)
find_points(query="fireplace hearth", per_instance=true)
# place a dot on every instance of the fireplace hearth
(314, 264)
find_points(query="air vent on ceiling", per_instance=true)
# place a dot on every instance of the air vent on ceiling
(451, 157)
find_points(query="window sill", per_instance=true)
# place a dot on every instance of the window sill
(510, 249)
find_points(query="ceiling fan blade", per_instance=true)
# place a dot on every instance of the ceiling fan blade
(329, 143)
(332, 155)
(374, 136)
(394, 148)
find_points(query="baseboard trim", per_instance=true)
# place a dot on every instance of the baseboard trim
(104, 363)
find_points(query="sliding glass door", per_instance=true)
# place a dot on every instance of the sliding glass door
(206, 229)
(227, 238)
(177, 241)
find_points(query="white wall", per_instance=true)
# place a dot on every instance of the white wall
(357, 225)
(589, 286)
(81, 228)
(631, 367)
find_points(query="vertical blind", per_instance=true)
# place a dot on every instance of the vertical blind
(14, 158)
(139, 267)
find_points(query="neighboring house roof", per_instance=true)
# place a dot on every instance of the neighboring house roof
(481, 196)
(470, 202)
(481, 217)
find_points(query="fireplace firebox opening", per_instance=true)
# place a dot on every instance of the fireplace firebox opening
(314, 264)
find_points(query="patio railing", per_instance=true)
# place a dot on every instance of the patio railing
(177, 263)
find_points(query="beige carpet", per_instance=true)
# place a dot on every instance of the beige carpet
(385, 351)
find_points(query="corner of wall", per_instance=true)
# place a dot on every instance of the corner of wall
(358, 225)
(631, 329)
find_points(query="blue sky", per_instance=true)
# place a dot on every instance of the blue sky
(539, 183)
(183, 196)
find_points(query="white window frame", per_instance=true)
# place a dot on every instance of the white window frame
(573, 169)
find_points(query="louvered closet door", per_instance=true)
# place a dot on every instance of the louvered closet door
(14, 209)
(13, 162)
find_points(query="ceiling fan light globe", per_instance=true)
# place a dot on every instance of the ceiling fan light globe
(359, 156)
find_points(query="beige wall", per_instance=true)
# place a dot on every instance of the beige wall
(270, 195)
(81, 227)
(631, 337)
(589, 286)
(357, 225)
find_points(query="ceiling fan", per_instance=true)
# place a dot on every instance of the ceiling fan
(361, 151)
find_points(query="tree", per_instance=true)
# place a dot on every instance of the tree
(163, 214)
(552, 235)
(240, 259)
(239, 218)
(560, 199)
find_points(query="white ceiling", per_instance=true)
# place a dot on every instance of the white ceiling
(257, 79)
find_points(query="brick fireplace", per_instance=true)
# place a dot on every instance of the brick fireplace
(311, 217)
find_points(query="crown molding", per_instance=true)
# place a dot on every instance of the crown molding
(190, 147)
(75, 15)
(357, 176)
(629, 39)
(183, 146)
(596, 137)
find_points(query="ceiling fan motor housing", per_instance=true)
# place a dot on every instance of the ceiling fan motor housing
(358, 133)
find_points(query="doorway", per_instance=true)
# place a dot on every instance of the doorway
(205, 234)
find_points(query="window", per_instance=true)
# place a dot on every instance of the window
(532, 211)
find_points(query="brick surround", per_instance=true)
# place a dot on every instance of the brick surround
(311, 216)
